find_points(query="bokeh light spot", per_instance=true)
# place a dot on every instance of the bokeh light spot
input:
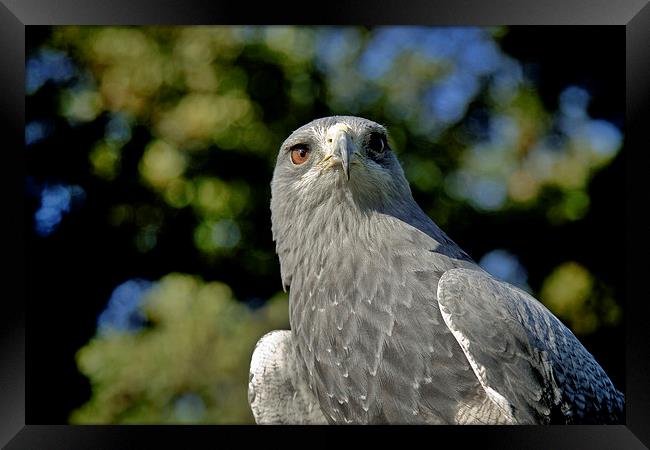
(506, 266)
(123, 313)
(37, 131)
(569, 293)
(189, 408)
(56, 200)
(48, 64)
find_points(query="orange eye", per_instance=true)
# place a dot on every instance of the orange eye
(299, 154)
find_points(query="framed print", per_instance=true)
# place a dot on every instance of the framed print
(167, 196)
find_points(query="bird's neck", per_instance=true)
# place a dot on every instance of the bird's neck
(340, 224)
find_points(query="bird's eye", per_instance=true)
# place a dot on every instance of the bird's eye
(377, 142)
(299, 154)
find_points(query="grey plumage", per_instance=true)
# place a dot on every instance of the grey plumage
(275, 393)
(391, 322)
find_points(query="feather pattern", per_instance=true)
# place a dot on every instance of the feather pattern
(523, 352)
(391, 322)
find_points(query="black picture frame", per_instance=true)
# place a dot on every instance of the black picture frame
(633, 15)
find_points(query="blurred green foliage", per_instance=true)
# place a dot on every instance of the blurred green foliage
(187, 366)
(195, 115)
(571, 292)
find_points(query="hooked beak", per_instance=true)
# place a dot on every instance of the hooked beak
(341, 147)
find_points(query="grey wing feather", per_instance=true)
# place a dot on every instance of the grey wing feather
(275, 394)
(528, 362)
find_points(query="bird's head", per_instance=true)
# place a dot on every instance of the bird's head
(339, 157)
(332, 175)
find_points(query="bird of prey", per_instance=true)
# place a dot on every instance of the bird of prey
(391, 322)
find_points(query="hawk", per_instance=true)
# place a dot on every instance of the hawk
(391, 322)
